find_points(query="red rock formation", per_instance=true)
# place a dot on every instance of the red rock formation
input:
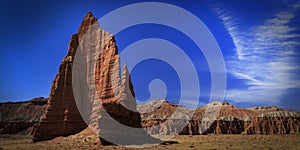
(62, 116)
(105, 99)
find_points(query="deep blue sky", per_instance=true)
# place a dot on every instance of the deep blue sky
(259, 42)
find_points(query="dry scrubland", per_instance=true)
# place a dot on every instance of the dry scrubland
(184, 142)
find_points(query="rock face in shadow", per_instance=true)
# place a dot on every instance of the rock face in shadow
(111, 109)
(230, 120)
(21, 117)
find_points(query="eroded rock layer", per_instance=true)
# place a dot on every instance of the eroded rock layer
(230, 120)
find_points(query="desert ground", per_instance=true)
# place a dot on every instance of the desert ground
(210, 142)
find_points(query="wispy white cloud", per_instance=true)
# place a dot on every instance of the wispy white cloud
(265, 57)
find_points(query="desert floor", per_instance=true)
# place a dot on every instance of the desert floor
(184, 142)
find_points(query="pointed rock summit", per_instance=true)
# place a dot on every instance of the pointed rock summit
(89, 91)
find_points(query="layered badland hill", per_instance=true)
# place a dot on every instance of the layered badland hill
(229, 119)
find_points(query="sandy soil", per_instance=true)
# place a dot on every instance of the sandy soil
(211, 142)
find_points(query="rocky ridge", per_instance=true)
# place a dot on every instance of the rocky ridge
(230, 120)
